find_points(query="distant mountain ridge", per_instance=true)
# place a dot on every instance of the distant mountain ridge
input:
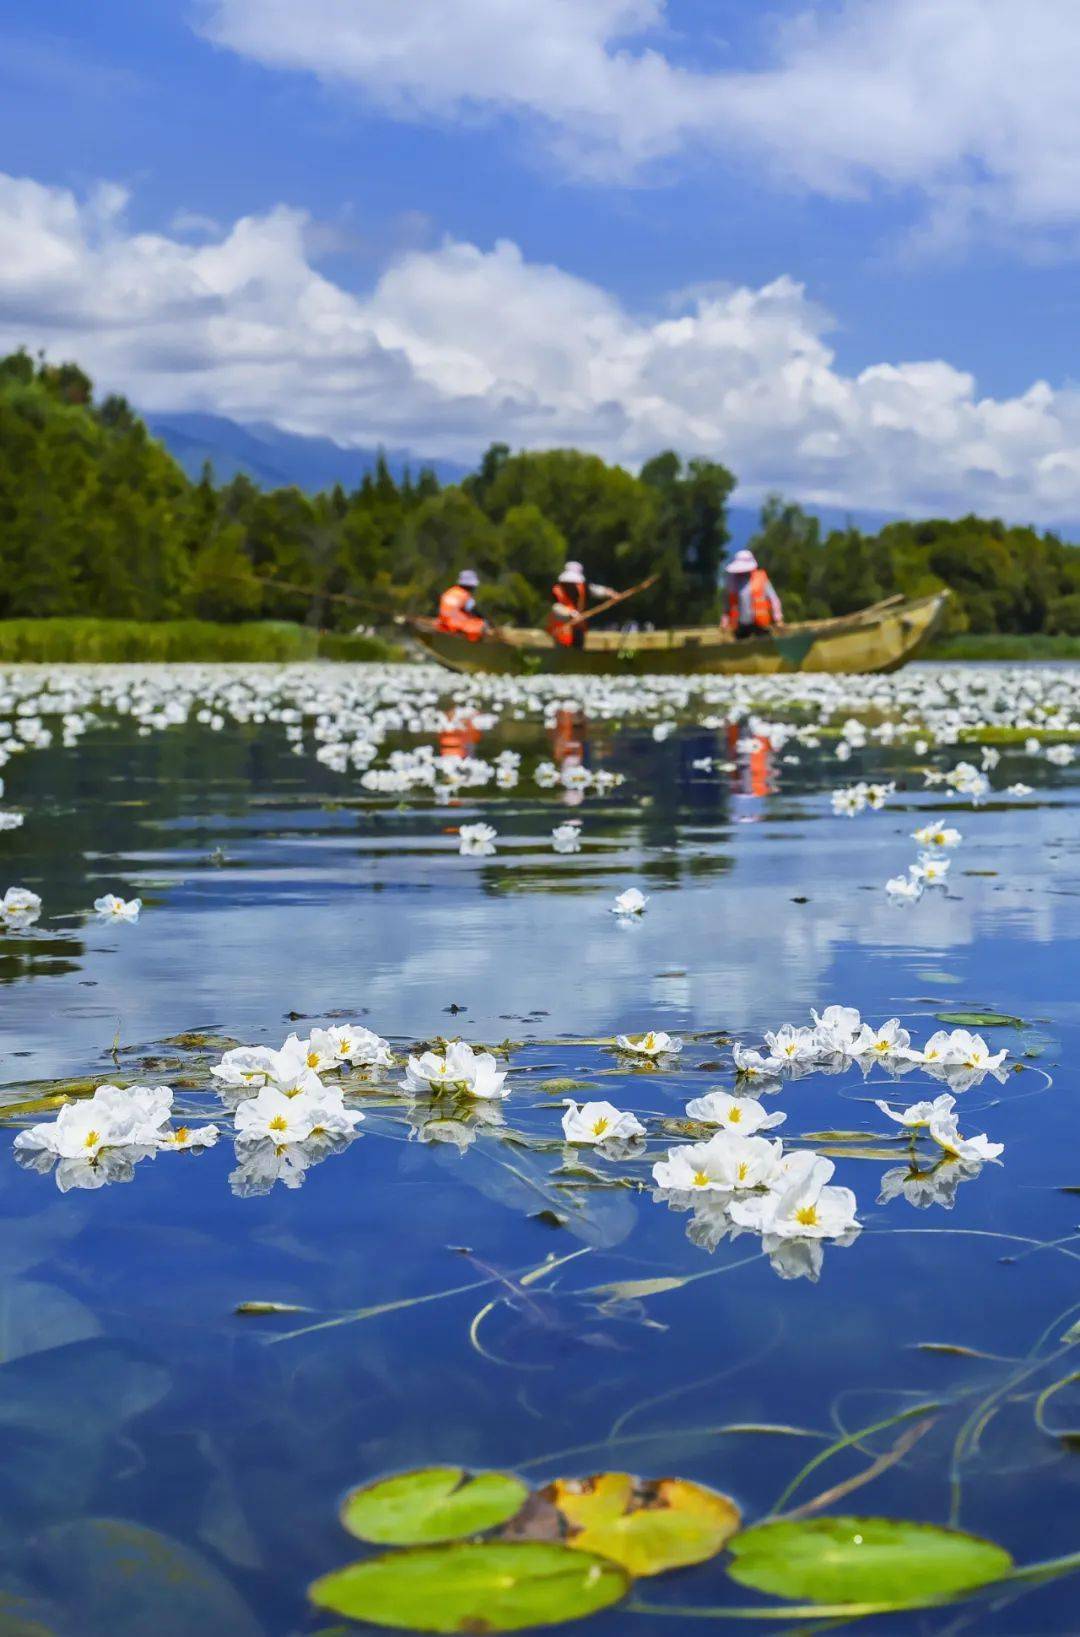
(276, 459)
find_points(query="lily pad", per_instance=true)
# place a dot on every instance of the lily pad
(854, 1560)
(497, 1586)
(432, 1505)
(665, 1523)
(980, 1020)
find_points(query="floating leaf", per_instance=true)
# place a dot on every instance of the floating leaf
(666, 1523)
(432, 1505)
(980, 1020)
(559, 1088)
(497, 1586)
(633, 1290)
(259, 1309)
(853, 1560)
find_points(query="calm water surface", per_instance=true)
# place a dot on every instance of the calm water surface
(277, 896)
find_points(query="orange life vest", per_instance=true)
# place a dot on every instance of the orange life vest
(573, 600)
(456, 616)
(760, 607)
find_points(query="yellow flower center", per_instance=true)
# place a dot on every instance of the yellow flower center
(701, 1179)
(91, 1139)
(279, 1123)
(600, 1127)
(743, 1168)
(649, 1041)
(807, 1215)
(181, 1135)
(312, 1060)
(734, 1116)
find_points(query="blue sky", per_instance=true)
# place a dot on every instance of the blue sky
(908, 172)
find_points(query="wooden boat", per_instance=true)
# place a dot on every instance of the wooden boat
(880, 638)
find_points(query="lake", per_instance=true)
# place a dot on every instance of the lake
(452, 1283)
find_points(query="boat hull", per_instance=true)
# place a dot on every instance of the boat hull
(881, 638)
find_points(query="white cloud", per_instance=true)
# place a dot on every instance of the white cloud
(971, 102)
(455, 346)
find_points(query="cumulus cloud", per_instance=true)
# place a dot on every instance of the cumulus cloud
(456, 345)
(970, 102)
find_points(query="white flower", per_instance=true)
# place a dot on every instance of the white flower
(546, 775)
(837, 1028)
(888, 1041)
(11, 821)
(477, 840)
(112, 908)
(654, 1043)
(353, 1044)
(246, 1066)
(98, 1139)
(972, 1052)
(742, 1115)
(917, 1116)
(930, 870)
(791, 1045)
(20, 907)
(726, 1164)
(943, 1129)
(458, 1069)
(1019, 790)
(566, 838)
(754, 1065)
(630, 902)
(598, 1123)
(186, 1136)
(923, 1188)
(1061, 755)
(903, 890)
(937, 835)
(803, 1206)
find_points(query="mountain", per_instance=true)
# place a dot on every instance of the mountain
(275, 459)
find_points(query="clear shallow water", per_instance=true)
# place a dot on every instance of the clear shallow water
(277, 895)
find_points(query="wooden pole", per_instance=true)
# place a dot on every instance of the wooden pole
(619, 597)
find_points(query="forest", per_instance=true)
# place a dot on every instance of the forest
(98, 519)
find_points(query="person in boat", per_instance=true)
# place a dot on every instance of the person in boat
(752, 603)
(458, 613)
(569, 597)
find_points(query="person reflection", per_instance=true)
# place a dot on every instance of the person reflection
(568, 750)
(752, 756)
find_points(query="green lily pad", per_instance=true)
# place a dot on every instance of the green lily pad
(648, 1527)
(496, 1586)
(980, 1020)
(856, 1560)
(432, 1505)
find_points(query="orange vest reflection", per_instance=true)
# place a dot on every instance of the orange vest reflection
(460, 739)
(753, 769)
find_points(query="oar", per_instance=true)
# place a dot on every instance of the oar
(619, 597)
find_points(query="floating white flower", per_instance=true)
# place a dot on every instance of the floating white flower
(917, 1116)
(889, 1041)
(566, 838)
(187, 1136)
(1019, 790)
(903, 889)
(353, 1044)
(599, 1123)
(836, 1029)
(246, 1067)
(755, 1068)
(458, 1069)
(112, 908)
(803, 1206)
(937, 835)
(944, 1131)
(477, 840)
(931, 870)
(742, 1115)
(98, 1139)
(630, 902)
(19, 907)
(726, 1164)
(654, 1043)
(791, 1045)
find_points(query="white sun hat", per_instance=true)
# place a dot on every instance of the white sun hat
(468, 576)
(573, 572)
(742, 562)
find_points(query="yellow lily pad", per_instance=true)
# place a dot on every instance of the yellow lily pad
(647, 1526)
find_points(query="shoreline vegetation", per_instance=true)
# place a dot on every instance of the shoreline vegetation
(106, 538)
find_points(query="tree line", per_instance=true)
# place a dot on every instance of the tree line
(97, 518)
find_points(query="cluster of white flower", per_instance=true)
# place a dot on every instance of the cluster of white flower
(930, 869)
(854, 798)
(460, 1069)
(840, 1038)
(102, 1138)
